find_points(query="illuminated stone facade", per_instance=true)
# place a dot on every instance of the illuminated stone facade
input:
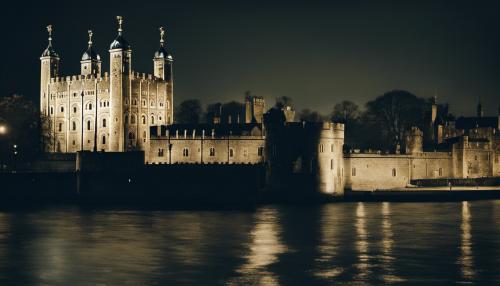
(105, 112)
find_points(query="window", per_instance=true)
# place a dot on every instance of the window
(74, 126)
(103, 139)
(353, 172)
(152, 120)
(231, 153)
(331, 164)
(260, 151)
(62, 108)
(144, 103)
(475, 157)
(161, 104)
(134, 102)
(332, 147)
(321, 148)
(144, 134)
(131, 135)
(126, 101)
(104, 122)
(160, 152)
(74, 109)
(88, 125)
(185, 152)
(60, 127)
(89, 106)
(152, 103)
(440, 172)
(394, 172)
(51, 110)
(143, 119)
(245, 152)
(132, 119)
(212, 151)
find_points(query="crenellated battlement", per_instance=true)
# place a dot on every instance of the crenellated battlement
(79, 78)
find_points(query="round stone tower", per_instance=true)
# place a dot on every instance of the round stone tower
(329, 158)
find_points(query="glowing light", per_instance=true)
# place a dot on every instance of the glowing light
(3, 129)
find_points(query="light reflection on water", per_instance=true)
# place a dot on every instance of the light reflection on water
(360, 243)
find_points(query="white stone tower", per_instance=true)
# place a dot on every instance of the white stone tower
(120, 69)
(91, 61)
(163, 69)
(49, 69)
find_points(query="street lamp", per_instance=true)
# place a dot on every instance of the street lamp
(3, 129)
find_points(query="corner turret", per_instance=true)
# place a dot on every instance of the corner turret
(163, 60)
(91, 61)
(49, 69)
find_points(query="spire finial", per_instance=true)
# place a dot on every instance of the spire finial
(49, 30)
(90, 37)
(162, 34)
(120, 22)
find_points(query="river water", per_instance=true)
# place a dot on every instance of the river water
(342, 243)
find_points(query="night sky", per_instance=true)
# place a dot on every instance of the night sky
(316, 52)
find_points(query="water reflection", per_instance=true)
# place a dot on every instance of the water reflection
(361, 245)
(265, 247)
(388, 258)
(329, 247)
(466, 259)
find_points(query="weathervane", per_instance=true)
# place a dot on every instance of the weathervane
(49, 30)
(120, 22)
(90, 37)
(162, 34)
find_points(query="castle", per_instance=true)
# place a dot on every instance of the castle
(125, 111)
(105, 112)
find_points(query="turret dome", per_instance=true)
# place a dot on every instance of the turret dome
(90, 54)
(120, 43)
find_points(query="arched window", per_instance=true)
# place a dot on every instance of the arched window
(88, 125)
(159, 118)
(132, 119)
(152, 120)
(152, 103)
(104, 122)
(134, 101)
(103, 141)
(74, 109)
(62, 108)
(185, 152)
(212, 151)
(231, 152)
(144, 102)
(74, 126)
(144, 119)
(51, 110)
(60, 127)
(89, 106)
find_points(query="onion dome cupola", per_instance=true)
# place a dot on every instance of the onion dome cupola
(90, 53)
(162, 53)
(120, 42)
(91, 61)
(50, 51)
